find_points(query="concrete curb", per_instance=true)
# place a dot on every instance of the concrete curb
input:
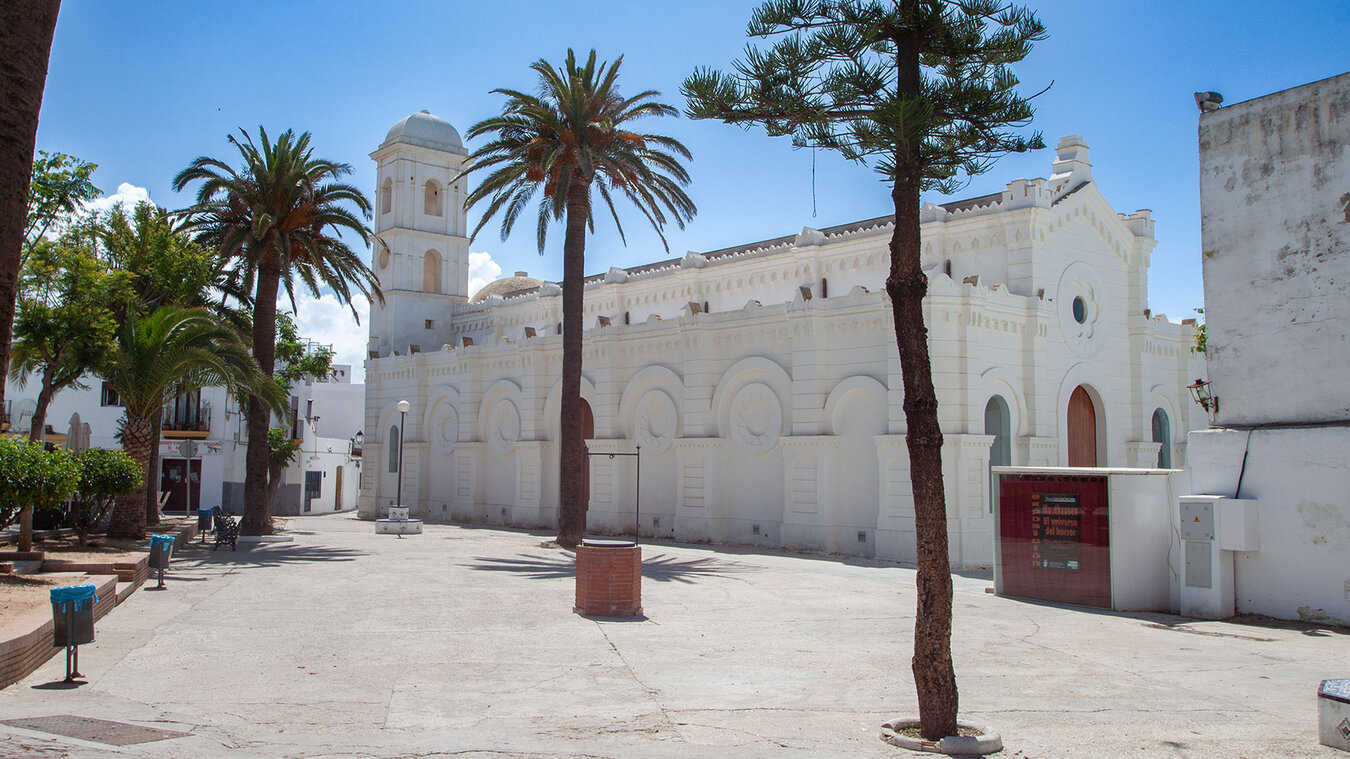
(987, 742)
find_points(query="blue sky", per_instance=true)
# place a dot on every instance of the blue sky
(143, 88)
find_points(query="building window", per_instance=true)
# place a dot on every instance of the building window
(393, 449)
(1079, 310)
(431, 272)
(1162, 433)
(387, 196)
(108, 397)
(432, 198)
(430, 323)
(997, 422)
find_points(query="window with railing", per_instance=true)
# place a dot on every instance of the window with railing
(187, 413)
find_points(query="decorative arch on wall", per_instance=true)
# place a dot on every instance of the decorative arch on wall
(999, 381)
(1162, 433)
(431, 271)
(442, 419)
(1089, 376)
(1159, 400)
(861, 384)
(650, 410)
(748, 371)
(431, 198)
(501, 418)
(552, 420)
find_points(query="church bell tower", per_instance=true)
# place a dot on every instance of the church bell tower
(422, 258)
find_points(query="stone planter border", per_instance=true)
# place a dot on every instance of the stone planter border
(987, 742)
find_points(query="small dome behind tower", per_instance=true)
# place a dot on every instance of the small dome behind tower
(506, 286)
(425, 130)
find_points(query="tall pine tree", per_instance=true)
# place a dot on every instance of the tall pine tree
(921, 91)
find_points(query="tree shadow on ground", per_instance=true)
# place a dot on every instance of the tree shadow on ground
(265, 555)
(659, 569)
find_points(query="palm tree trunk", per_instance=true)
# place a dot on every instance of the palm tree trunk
(934, 675)
(128, 519)
(257, 505)
(572, 454)
(152, 514)
(26, 31)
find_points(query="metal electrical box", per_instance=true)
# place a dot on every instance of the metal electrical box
(1197, 520)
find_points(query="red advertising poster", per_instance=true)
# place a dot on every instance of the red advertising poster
(1056, 531)
(1054, 540)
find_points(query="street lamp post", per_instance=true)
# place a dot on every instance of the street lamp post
(403, 407)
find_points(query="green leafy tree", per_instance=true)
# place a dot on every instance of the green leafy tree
(156, 263)
(920, 90)
(103, 476)
(282, 451)
(298, 358)
(569, 139)
(60, 187)
(279, 218)
(33, 477)
(64, 326)
(26, 31)
(159, 356)
(62, 330)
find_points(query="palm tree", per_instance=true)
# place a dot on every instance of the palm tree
(156, 357)
(279, 219)
(570, 138)
(26, 31)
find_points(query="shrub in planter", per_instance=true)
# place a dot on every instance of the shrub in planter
(104, 475)
(31, 475)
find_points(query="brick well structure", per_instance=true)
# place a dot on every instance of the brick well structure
(609, 579)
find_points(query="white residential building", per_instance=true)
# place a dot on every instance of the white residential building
(209, 425)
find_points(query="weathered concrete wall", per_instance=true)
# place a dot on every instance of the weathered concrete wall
(1300, 479)
(1275, 197)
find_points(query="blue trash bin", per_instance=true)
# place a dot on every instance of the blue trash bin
(73, 622)
(161, 550)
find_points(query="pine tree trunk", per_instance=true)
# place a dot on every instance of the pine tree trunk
(128, 519)
(572, 455)
(152, 514)
(26, 30)
(934, 674)
(257, 505)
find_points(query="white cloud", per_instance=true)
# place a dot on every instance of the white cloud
(328, 322)
(482, 270)
(127, 194)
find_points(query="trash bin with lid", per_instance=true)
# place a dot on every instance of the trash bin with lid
(161, 550)
(203, 522)
(73, 622)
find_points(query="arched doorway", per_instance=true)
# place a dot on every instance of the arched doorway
(1082, 429)
(997, 422)
(1162, 433)
(587, 433)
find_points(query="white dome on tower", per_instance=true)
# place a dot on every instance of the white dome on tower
(425, 130)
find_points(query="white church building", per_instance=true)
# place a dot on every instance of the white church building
(761, 381)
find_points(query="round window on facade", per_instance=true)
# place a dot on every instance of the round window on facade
(1079, 310)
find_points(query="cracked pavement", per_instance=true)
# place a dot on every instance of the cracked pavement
(460, 642)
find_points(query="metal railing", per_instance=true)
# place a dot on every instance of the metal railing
(187, 418)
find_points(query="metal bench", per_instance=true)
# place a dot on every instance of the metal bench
(227, 529)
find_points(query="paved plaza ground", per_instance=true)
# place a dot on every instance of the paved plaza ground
(460, 642)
